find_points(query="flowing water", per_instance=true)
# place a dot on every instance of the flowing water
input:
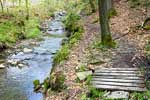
(24, 66)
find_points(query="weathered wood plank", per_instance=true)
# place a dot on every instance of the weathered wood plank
(116, 74)
(109, 87)
(116, 71)
(118, 84)
(120, 77)
(117, 80)
(120, 69)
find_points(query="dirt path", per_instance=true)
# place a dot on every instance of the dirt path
(128, 47)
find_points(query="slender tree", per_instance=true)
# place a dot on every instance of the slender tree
(2, 6)
(27, 9)
(106, 37)
(19, 3)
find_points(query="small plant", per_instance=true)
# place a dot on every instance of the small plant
(147, 49)
(95, 94)
(74, 38)
(31, 28)
(61, 55)
(72, 23)
(57, 81)
(99, 45)
(111, 13)
(81, 68)
(140, 96)
(36, 83)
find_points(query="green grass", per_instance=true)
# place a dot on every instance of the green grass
(31, 28)
(15, 29)
(8, 32)
(61, 55)
(140, 96)
(147, 49)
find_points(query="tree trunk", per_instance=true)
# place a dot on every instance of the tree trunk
(2, 7)
(109, 4)
(27, 9)
(19, 3)
(106, 38)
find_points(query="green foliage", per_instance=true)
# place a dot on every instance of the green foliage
(88, 80)
(147, 27)
(74, 39)
(140, 96)
(112, 12)
(139, 3)
(36, 83)
(95, 94)
(101, 46)
(46, 84)
(10, 32)
(72, 22)
(31, 28)
(57, 81)
(61, 55)
(16, 28)
(147, 49)
(87, 7)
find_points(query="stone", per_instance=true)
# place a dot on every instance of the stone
(21, 65)
(83, 75)
(2, 66)
(39, 50)
(13, 61)
(27, 50)
(117, 95)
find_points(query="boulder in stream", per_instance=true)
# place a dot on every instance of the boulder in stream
(27, 50)
(13, 61)
(2, 66)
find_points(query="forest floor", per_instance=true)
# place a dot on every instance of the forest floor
(128, 53)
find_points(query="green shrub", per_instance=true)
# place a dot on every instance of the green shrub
(147, 49)
(16, 28)
(31, 28)
(140, 96)
(57, 81)
(112, 12)
(36, 83)
(71, 22)
(61, 55)
(95, 94)
(9, 32)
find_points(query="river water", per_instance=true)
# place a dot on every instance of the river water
(16, 81)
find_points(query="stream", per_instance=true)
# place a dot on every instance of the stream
(31, 62)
